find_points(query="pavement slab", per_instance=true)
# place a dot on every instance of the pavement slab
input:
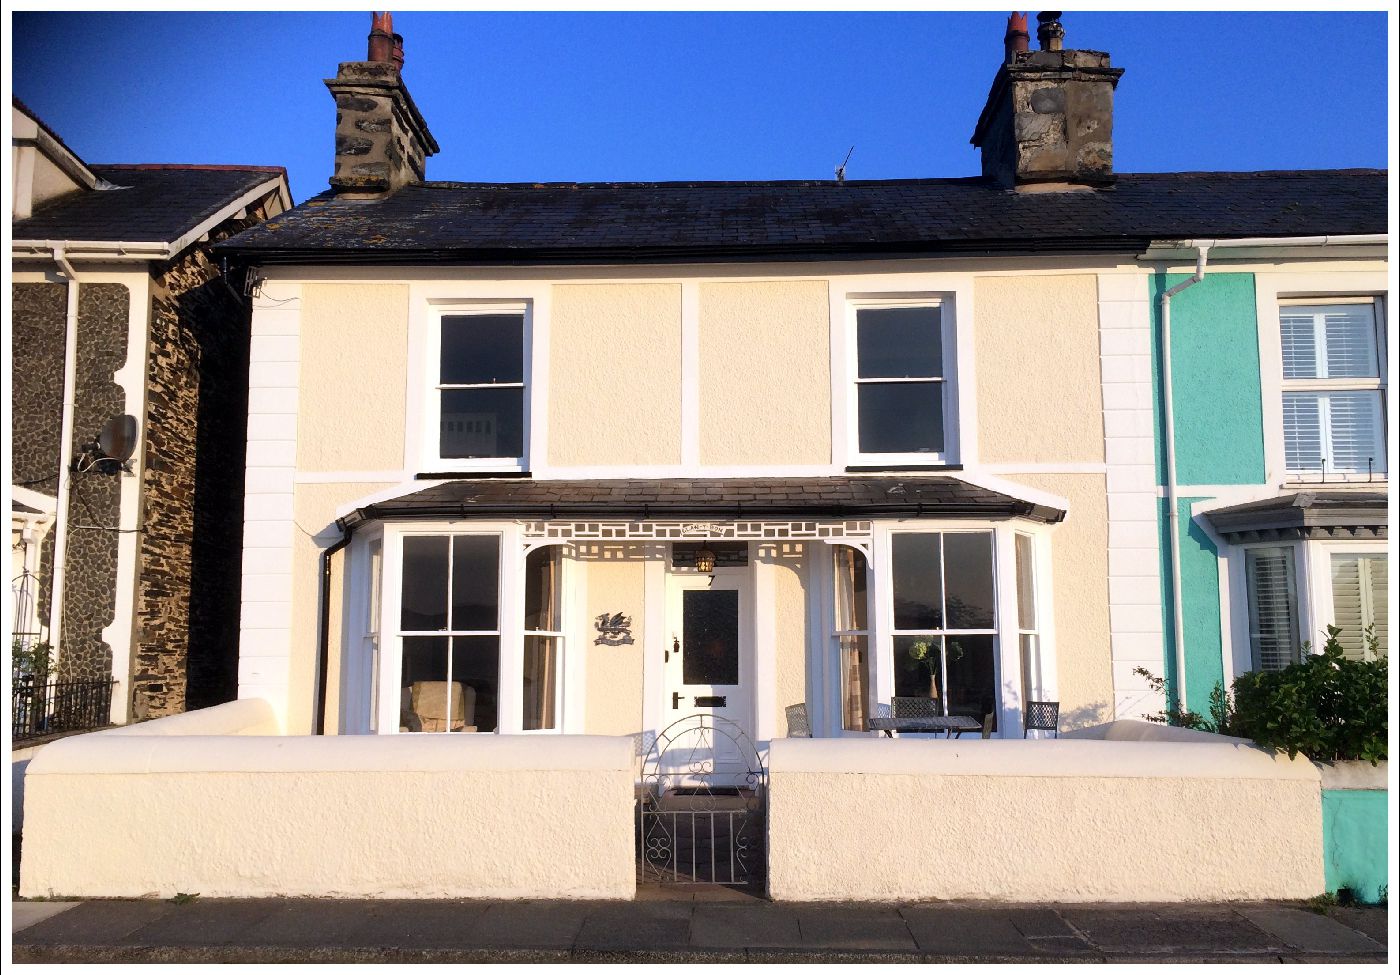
(865, 926)
(1370, 921)
(530, 924)
(95, 923)
(1311, 933)
(740, 926)
(32, 912)
(201, 922)
(992, 933)
(1169, 931)
(628, 924)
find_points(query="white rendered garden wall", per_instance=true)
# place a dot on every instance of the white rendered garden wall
(1051, 820)
(402, 816)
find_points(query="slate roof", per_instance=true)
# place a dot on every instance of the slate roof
(467, 222)
(154, 203)
(1305, 514)
(761, 497)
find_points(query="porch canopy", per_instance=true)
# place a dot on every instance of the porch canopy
(737, 498)
(1307, 514)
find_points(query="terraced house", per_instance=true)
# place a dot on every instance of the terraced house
(129, 354)
(536, 471)
(599, 456)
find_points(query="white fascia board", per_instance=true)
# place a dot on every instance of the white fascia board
(1014, 489)
(34, 499)
(148, 250)
(387, 494)
(1335, 245)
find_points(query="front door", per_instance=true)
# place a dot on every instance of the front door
(708, 660)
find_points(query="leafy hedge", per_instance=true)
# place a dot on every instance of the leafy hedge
(1325, 706)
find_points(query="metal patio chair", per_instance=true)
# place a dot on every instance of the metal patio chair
(798, 726)
(915, 707)
(1042, 716)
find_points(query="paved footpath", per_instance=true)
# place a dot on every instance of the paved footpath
(715, 925)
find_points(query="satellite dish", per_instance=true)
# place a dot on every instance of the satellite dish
(117, 441)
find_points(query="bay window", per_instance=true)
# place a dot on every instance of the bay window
(944, 620)
(1333, 388)
(1359, 602)
(544, 639)
(1272, 589)
(851, 632)
(449, 631)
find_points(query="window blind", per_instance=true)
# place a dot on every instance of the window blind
(1333, 342)
(1273, 615)
(1359, 601)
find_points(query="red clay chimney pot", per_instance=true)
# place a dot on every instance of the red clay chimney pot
(398, 51)
(1018, 38)
(381, 40)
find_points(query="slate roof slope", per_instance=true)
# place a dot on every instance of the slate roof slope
(154, 203)
(729, 497)
(598, 221)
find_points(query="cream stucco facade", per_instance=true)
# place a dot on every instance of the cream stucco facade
(681, 373)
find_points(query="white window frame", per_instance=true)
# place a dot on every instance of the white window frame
(510, 620)
(564, 635)
(1319, 552)
(952, 362)
(1275, 290)
(431, 459)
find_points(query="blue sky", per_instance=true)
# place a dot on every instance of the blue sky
(626, 96)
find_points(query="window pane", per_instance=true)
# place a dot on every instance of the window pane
(855, 681)
(1359, 601)
(851, 605)
(1025, 581)
(971, 680)
(475, 671)
(1351, 342)
(1355, 429)
(918, 668)
(482, 422)
(1302, 431)
(423, 684)
(424, 592)
(898, 343)
(475, 565)
(483, 349)
(971, 595)
(1030, 666)
(918, 580)
(1299, 344)
(901, 418)
(542, 593)
(1273, 612)
(541, 666)
(710, 635)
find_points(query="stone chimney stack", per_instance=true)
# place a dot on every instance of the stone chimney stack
(381, 140)
(1048, 121)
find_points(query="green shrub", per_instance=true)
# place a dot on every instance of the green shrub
(1325, 706)
(31, 659)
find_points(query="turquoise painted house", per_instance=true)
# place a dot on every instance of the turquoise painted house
(1271, 421)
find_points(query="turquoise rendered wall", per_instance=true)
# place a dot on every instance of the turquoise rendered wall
(1216, 397)
(1354, 842)
(1200, 608)
(1218, 412)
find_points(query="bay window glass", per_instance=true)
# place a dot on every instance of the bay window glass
(851, 631)
(449, 630)
(1271, 583)
(481, 386)
(900, 380)
(1359, 602)
(1333, 389)
(944, 642)
(544, 639)
(1027, 618)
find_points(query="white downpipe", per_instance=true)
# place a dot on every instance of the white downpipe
(65, 453)
(1169, 434)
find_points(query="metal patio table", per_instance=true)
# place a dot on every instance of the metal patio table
(952, 725)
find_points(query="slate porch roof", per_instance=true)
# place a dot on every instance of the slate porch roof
(153, 203)
(582, 222)
(1306, 514)
(729, 497)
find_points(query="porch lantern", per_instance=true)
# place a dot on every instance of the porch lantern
(704, 560)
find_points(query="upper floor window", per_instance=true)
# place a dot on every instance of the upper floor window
(479, 399)
(1333, 388)
(901, 401)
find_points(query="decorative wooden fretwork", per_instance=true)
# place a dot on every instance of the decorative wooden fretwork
(663, 531)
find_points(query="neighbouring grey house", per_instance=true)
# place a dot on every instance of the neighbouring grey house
(129, 400)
